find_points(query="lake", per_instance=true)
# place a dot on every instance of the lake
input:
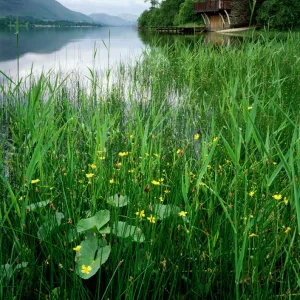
(67, 49)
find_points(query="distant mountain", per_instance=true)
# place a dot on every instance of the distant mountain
(50, 10)
(108, 20)
(129, 17)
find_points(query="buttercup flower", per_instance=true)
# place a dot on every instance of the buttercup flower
(77, 248)
(122, 154)
(112, 181)
(141, 213)
(286, 201)
(196, 136)
(151, 219)
(252, 235)
(182, 214)
(155, 182)
(90, 175)
(35, 181)
(93, 166)
(277, 197)
(86, 269)
(251, 194)
(215, 139)
(249, 107)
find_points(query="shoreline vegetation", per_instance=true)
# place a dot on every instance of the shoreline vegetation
(29, 22)
(175, 177)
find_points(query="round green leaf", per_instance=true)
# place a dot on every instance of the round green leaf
(94, 223)
(118, 200)
(124, 230)
(90, 257)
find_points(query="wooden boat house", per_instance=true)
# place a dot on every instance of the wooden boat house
(223, 14)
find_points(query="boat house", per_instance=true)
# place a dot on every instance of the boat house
(223, 14)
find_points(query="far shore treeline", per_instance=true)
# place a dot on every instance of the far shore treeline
(273, 14)
(11, 21)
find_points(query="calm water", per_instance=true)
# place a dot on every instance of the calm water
(67, 49)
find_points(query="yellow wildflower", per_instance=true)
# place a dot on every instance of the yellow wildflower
(196, 136)
(277, 197)
(131, 136)
(215, 139)
(21, 198)
(167, 191)
(77, 248)
(35, 181)
(161, 199)
(178, 151)
(151, 219)
(182, 214)
(286, 201)
(112, 181)
(249, 107)
(86, 269)
(155, 182)
(122, 154)
(90, 175)
(252, 235)
(93, 166)
(251, 194)
(156, 155)
(288, 229)
(118, 164)
(141, 213)
(147, 154)
(102, 157)
(161, 180)
(131, 171)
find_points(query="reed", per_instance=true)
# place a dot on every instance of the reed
(189, 157)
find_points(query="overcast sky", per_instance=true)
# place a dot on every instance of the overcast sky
(112, 7)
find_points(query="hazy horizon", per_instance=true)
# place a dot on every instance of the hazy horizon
(111, 7)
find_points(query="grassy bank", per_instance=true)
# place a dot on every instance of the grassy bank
(177, 180)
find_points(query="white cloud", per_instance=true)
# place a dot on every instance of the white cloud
(112, 7)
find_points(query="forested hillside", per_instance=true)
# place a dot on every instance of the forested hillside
(50, 10)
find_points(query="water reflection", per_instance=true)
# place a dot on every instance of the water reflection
(210, 38)
(67, 48)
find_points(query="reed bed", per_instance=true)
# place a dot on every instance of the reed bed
(176, 179)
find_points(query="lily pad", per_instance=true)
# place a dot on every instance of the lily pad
(49, 226)
(35, 206)
(96, 222)
(124, 230)
(90, 257)
(118, 200)
(164, 211)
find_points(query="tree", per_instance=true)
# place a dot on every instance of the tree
(186, 13)
(280, 14)
(153, 3)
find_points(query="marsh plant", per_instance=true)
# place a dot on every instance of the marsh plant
(177, 180)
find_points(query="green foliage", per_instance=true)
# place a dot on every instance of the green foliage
(96, 222)
(186, 13)
(169, 13)
(212, 174)
(280, 14)
(91, 256)
(118, 200)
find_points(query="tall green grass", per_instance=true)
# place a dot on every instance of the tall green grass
(213, 131)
